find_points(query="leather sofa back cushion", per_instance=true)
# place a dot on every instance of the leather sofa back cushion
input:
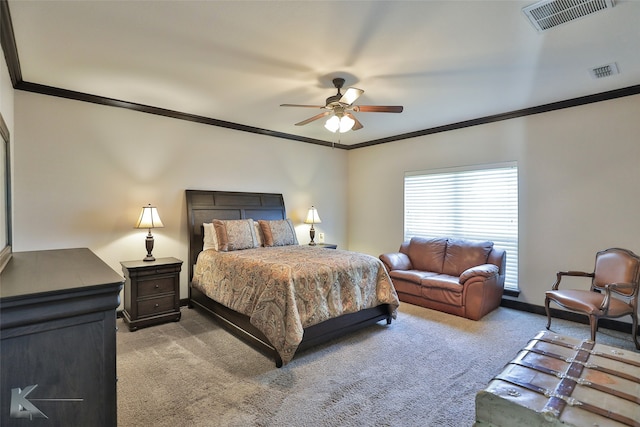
(427, 254)
(463, 254)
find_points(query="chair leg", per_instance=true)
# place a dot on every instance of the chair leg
(634, 330)
(548, 310)
(593, 322)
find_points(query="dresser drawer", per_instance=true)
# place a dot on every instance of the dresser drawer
(150, 307)
(159, 285)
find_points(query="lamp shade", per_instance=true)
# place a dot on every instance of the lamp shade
(149, 218)
(312, 217)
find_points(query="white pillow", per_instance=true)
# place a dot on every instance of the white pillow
(210, 238)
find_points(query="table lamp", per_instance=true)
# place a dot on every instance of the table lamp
(149, 219)
(312, 218)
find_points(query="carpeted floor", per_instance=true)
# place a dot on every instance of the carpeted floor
(422, 370)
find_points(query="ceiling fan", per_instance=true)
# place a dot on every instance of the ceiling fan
(340, 108)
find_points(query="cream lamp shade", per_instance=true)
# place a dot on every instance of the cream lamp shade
(312, 218)
(149, 219)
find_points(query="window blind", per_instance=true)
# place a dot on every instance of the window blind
(477, 203)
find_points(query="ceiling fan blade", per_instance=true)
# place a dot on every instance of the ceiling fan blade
(300, 105)
(357, 125)
(378, 108)
(351, 95)
(316, 117)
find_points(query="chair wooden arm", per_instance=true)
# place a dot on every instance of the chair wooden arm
(560, 274)
(619, 285)
(613, 287)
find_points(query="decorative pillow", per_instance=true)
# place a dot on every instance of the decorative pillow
(235, 234)
(278, 232)
(210, 238)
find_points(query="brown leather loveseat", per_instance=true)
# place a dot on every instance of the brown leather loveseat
(457, 276)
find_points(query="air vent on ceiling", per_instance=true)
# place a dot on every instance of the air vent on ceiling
(604, 70)
(547, 14)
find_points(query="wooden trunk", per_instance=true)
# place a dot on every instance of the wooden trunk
(561, 381)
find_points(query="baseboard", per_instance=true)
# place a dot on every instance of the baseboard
(614, 325)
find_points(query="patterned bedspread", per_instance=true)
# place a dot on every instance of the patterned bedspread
(285, 289)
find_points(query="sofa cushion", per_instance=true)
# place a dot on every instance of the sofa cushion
(411, 275)
(442, 281)
(443, 288)
(463, 254)
(427, 254)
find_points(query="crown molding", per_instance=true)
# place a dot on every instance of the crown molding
(13, 64)
(8, 42)
(111, 102)
(574, 102)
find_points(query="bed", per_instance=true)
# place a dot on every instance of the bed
(255, 319)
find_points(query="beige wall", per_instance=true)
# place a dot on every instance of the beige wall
(6, 95)
(83, 172)
(579, 185)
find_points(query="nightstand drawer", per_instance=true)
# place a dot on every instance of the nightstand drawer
(142, 272)
(150, 307)
(156, 286)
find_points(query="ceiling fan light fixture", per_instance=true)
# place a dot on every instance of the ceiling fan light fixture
(333, 124)
(346, 124)
(340, 107)
(342, 124)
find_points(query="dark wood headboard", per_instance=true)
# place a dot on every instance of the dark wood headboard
(205, 206)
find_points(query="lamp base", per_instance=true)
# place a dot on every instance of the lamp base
(149, 244)
(312, 234)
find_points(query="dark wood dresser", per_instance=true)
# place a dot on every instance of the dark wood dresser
(151, 292)
(58, 339)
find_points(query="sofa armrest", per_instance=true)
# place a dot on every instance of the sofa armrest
(484, 270)
(396, 261)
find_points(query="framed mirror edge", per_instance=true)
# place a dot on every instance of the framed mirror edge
(5, 247)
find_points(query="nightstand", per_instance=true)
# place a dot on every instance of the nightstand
(327, 245)
(151, 292)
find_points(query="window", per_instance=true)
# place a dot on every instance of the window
(477, 203)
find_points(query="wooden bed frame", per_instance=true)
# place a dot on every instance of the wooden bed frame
(204, 206)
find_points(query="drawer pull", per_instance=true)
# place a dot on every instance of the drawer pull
(157, 286)
(157, 305)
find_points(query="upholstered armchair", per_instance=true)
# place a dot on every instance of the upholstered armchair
(613, 292)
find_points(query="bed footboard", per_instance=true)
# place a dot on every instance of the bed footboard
(239, 325)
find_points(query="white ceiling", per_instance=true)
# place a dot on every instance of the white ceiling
(237, 61)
